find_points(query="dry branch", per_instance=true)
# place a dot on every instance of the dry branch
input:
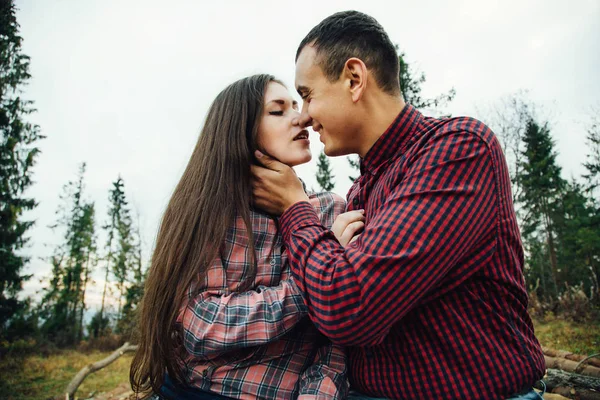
(88, 369)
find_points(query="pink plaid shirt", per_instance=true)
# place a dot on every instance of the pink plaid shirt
(260, 344)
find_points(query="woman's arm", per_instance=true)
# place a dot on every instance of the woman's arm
(215, 322)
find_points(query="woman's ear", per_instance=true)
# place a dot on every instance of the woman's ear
(356, 77)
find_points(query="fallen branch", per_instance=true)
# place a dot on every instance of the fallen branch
(88, 369)
(573, 386)
(594, 362)
(572, 366)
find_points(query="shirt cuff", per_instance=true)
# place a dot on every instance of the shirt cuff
(299, 215)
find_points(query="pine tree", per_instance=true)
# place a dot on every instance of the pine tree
(579, 239)
(64, 302)
(324, 173)
(410, 84)
(17, 157)
(120, 249)
(135, 291)
(592, 164)
(354, 162)
(542, 188)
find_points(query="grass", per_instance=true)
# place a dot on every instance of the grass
(45, 377)
(564, 335)
(39, 377)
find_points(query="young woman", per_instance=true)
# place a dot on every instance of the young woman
(221, 315)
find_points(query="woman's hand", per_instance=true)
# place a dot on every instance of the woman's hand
(348, 226)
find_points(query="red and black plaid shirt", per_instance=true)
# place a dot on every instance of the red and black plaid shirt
(431, 299)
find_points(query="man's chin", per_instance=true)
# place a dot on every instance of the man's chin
(334, 152)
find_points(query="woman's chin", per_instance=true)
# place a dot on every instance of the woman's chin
(293, 162)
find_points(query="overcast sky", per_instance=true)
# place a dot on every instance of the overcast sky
(125, 85)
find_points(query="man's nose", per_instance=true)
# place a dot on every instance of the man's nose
(303, 119)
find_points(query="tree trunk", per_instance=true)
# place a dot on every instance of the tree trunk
(86, 272)
(120, 300)
(550, 242)
(104, 293)
(76, 297)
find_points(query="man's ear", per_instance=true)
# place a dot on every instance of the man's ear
(356, 77)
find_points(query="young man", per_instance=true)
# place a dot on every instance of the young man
(430, 299)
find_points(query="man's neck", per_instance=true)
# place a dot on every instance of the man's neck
(380, 111)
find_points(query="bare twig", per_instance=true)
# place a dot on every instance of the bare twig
(88, 369)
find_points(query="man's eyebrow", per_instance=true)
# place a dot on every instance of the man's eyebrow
(300, 89)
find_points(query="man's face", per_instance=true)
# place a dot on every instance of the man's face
(327, 105)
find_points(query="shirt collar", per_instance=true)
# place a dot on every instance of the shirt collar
(394, 139)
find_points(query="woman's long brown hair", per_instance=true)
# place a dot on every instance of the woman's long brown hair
(214, 188)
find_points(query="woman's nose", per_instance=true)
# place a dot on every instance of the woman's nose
(303, 120)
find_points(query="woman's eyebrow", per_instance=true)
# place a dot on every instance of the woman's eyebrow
(282, 102)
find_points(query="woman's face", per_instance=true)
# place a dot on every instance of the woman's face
(277, 136)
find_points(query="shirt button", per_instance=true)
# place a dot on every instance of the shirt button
(205, 372)
(355, 202)
(273, 261)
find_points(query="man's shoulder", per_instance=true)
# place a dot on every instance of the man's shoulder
(458, 125)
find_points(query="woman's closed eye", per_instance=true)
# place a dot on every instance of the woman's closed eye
(275, 112)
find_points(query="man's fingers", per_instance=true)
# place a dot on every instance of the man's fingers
(268, 161)
(257, 171)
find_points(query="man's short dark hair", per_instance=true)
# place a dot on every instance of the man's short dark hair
(348, 34)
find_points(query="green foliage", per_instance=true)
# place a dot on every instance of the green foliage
(23, 324)
(592, 165)
(324, 173)
(542, 187)
(579, 239)
(410, 84)
(123, 258)
(354, 162)
(560, 224)
(17, 157)
(64, 301)
(98, 325)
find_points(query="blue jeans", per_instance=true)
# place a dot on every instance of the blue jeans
(531, 395)
(354, 395)
(169, 390)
